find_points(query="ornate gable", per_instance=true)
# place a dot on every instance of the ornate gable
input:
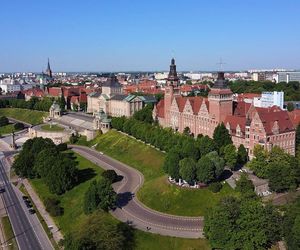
(174, 105)
(188, 109)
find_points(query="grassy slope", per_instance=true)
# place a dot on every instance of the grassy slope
(73, 214)
(156, 192)
(52, 128)
(30, 116)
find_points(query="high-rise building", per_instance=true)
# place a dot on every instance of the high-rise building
(288, 76)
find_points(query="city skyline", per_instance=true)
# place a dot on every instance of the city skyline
(134, 36)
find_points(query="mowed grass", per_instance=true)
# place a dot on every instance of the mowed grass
(9, 234)
(33, 117)
(72, 202)
(148, 241)
(52, 128)
(156, 192)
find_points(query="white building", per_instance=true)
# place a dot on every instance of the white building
(288, 76)
(269, 99)
(9, 85)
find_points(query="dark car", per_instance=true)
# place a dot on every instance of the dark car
(31, 211)
(28, 204)
(2, 190)
(24, 197)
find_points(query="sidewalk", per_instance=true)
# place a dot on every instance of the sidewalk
(57, 235)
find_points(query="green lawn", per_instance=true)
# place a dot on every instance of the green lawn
(9, 234)
(52, 128)
(156, 192)
(33, 117)
(72, 202)
(7, 129)
(148, 241)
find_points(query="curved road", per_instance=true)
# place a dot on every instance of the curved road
(131, 210)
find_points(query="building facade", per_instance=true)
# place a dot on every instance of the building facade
(113, 103)
(247, 124)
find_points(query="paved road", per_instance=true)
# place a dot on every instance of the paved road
(131, 209)
(24, 233)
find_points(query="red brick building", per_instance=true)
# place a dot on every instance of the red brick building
(248, 125)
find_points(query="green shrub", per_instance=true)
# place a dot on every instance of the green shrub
(215, 187)
(53, 208)
(18, 126)
(3, 121)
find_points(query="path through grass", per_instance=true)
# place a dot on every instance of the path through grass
(33, 117)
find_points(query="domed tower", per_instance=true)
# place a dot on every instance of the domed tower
(220, 99)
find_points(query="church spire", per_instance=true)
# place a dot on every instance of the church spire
(48, 70)
(172, 77)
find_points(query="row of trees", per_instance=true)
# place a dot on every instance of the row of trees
(34, 103)
(187, 158)
(41, 158)
(291, 90)
(282, 169)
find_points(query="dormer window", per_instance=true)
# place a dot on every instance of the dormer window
(275, 128)
(238, 130)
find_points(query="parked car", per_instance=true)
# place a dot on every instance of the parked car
(2, 190)
(31, 211)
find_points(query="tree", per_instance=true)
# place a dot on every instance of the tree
(242, 155)
(290, 107)
(100, 195)
(205, 145)
(280, 176)
(62, 176)
(3, 121)
(52, 206)
(98, 231)
(187, 131)
(171, 164)
(242, 224)
(298, 135)
(145, 114)
(111, 175)
(258, 163)
(245, 186)
(62, 102)
(187, 169)
(230, 156)
(18, 126)
(210, 167)
(221, 136)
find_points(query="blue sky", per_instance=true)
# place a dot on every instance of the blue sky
(123, 35)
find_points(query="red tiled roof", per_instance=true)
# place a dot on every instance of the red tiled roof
(220, 91)
(269, 116)
(240, 108)
(295, 117)
(55, 91)
(243, 96)
(34, 92)
(181, 102)
(234, 121)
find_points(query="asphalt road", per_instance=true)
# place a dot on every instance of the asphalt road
(23, 230)
(131, 210)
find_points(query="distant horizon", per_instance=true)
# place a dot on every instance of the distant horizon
(133, 35)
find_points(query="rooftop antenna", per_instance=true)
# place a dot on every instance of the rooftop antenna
(221, 64)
